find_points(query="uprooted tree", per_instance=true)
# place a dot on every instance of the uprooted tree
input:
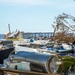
(64, 28)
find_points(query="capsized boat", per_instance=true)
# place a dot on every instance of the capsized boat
(33, 62)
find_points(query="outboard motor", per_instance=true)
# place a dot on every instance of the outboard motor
(37, 62)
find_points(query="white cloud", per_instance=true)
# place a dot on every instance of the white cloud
(27, 2)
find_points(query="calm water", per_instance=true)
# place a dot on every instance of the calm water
(2, 36)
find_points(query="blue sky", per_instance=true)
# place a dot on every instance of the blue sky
(32, 15)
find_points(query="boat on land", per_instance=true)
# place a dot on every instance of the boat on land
(26, 61)
(6, 47)
(45, 46)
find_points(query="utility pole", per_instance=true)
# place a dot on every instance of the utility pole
(9, 27)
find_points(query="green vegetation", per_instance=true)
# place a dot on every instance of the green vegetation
(68, 61)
